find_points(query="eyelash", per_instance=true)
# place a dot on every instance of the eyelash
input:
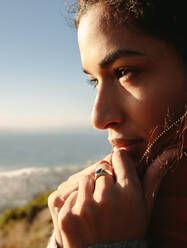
(123, 71)
(120, 72)
(92, 82)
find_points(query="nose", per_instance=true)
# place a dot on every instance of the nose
(107, 111)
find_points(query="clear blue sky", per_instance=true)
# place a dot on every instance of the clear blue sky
(41, 82)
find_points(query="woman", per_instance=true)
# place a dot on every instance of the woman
(134, 52)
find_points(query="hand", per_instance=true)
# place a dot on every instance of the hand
(57, 199)
(107, 211)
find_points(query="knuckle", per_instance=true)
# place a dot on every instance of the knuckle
(71, 177)
(104, 165)
(108, 157)
(86, 211)
(65, 220)
(51, 199)
(61, 186)
(74, 178)
(85, 179)
(54, 201)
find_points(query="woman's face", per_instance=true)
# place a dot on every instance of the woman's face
(137, 77)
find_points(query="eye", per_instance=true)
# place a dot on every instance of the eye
(125, 71)
(92, 82)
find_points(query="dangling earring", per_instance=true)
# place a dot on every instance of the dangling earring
(148, 149)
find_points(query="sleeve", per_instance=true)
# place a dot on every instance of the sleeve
(52, 242)
(123, 244)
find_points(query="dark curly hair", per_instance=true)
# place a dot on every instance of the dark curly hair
(162, 19)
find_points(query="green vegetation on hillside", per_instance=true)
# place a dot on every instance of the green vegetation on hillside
(27, 212)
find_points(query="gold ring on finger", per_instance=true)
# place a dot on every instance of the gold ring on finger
(102, 172)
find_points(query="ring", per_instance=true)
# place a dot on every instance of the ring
(102, 172)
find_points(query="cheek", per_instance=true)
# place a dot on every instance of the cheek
(167, 87)
(147, 110)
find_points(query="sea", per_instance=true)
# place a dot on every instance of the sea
(34, 163)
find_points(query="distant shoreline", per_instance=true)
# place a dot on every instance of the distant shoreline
(50, 150)
(18, 187)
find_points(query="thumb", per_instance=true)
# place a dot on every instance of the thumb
(124, 167)
(154, 175)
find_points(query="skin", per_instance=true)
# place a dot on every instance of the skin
(133, 93)
(84, 210)
(131, 102)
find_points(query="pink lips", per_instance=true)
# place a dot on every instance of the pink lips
(126, 144)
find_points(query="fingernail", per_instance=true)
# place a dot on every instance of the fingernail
(123, 149)
(115, 149)
(104, 162)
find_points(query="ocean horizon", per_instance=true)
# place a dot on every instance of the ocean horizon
(23, 149)
(34, 163)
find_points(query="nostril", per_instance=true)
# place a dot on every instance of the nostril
(110, 125)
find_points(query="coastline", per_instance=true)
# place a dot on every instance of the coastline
(18, 187)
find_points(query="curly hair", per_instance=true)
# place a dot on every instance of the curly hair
(162, 19)
(166, 20)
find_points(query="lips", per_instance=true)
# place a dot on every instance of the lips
(127, 144)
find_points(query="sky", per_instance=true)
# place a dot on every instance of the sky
(42, 86)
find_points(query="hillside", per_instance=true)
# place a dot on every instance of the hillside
(26, 227)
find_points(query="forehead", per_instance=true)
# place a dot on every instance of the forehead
(91, 23)
(93, 17)
(96, 41)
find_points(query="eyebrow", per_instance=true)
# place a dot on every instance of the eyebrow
(113, 56)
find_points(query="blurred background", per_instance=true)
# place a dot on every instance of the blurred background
(45, 107)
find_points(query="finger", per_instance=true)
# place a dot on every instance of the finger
(66, 188)
(103, 183)
(85, 192)
(66, 184)
(54, 215)
(66, 219)
(124, 167)
(66, 211)
(63, 192)
(88, 171)
(72, 183)
(154, 175)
